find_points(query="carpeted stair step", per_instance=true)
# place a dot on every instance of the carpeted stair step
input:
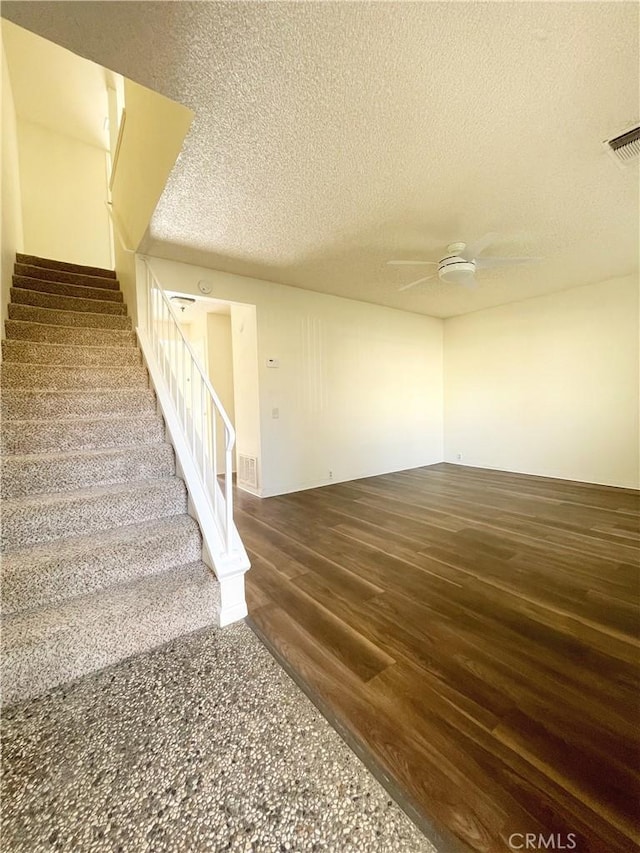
(19, 330)
(49, 573)
(50, 436)
(43, 473)
(62, 471)
(59, 377)
(65, 303)
(82, 356)
(49, 263)
(25, 404)
(71, 319)
(66, 276)
(63, 289)
(28, 521)
(55, 644)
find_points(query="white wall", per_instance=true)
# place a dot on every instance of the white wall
(11, 230)
(548, 386)
(64, 190)
(220, 367)
(246, 385)
(358, 390)
(151, 138)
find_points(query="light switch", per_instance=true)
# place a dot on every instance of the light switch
(275, 413)
(273, 362)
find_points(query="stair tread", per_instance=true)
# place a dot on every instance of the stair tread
(86, 273)
(54, 263)
(151, 415)
(41, 299)
(89, 453)
(70, 318)
(22, 436)
(31, 627)
(25, 374)
(66, 300)
(52, 498)
(66, 276)
(70, 393)
(88, 378)
(22, 290)
(58, 643)
(44, 327)
(68, 288)
(59, 347)
(60, 569)
(61, 310)
(20, 403)
(73, 546)
(76, 366)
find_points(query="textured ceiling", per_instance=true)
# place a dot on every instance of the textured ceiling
(54, 88)
(331, 137)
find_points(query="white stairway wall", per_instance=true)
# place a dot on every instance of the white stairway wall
(64, 190)
(220, 367)
(359, 388)
(11, 219)
(548, 386)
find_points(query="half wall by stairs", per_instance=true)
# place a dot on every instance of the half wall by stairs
(100, 558)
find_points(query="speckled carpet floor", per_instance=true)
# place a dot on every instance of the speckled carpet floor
(203, 744)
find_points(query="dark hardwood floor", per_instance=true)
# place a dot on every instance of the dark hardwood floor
(477, 632)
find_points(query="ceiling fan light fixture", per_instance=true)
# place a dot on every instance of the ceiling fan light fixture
(182, 301)
(456, 270)
(459, 265)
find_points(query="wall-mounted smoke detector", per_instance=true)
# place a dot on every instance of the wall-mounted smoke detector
(625, 148)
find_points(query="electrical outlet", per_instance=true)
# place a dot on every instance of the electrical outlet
(458, 456)
(331, 475)
(275, 413)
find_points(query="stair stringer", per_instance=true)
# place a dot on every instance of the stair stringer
(229, 568)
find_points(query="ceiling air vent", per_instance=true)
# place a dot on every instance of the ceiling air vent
(625, 149)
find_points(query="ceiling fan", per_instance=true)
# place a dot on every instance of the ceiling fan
(459, 264)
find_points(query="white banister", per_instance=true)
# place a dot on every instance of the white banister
(194, 414)
(117, 228)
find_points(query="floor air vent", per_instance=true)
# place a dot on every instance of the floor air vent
(248, 471)
(625, 149)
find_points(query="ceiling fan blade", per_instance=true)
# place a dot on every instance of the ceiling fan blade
(413, 283)
(488, 263)
(474, 249)
(410, 263)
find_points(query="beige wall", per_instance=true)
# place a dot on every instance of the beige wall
(125, 266)
(220, 366)
(153, 133)
(64, 190)
(358, 390)
(11, 230)
(548, 386)
(246, 384)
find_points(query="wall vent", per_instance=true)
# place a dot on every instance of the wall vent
(248, 470)
(625, 148)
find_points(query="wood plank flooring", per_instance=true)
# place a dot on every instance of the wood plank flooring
(477, 632)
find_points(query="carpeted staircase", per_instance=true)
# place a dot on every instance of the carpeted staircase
(100, 559)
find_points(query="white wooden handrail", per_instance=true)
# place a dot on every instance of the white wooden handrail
(197, 406)
(118, 229)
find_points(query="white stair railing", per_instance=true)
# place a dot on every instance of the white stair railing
(205, 425)
(201, 433)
